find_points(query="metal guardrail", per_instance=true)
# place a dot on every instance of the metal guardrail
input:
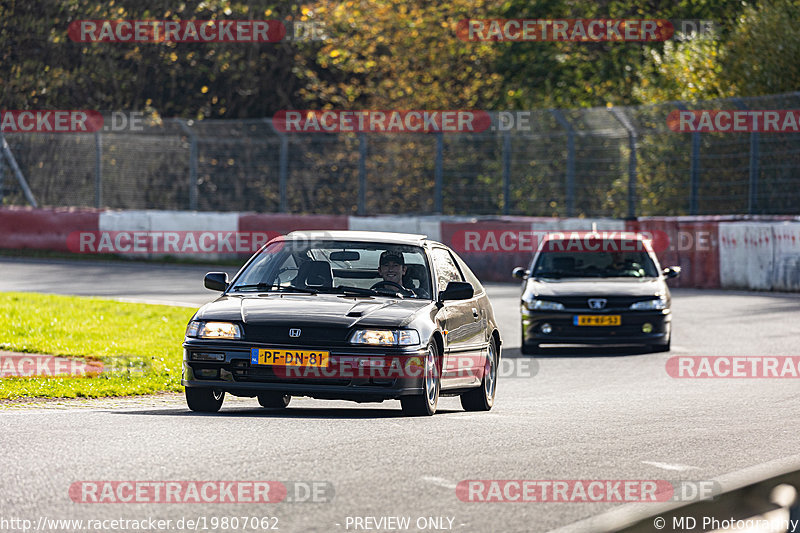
(753, 499)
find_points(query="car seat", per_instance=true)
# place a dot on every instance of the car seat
(314, 274)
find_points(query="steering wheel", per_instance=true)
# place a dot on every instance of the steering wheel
(389, 284)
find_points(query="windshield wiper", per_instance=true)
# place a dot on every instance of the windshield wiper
(355, 290)
(373, 292)
(271, 287)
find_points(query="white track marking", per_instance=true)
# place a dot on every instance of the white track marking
(440, 481)
(667, 466)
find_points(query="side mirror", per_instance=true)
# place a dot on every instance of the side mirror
(216, 281)
(672, 272)
(520, 273)
(457, 290)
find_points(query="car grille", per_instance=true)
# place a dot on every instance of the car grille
(589, 331)
(612, 302)
(309, 335)
(242, 370)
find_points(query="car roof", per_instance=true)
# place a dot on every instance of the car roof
(359, 236)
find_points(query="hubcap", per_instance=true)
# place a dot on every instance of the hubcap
(490, 372)
(430, 376)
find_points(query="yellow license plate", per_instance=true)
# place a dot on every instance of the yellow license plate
(268, 356)
(597, 320)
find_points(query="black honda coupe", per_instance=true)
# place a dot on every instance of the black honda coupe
(346, 315)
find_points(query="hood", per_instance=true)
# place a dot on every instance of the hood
(596, 287)
(314, 309)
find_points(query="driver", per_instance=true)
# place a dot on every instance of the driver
(392, 267)
(621, 263)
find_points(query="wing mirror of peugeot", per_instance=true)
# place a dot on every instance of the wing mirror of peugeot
(520, 273)
(457, 290)
(672, 272)
(216, 281)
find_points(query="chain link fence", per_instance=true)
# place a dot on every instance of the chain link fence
(613, 162)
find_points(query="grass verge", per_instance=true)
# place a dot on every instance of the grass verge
(141, 342)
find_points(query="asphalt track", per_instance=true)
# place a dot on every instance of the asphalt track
(585, 414)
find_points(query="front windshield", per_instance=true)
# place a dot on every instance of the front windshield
(595, 264)
(347, 267)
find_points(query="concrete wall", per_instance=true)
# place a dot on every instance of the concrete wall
(760, 256)
(745, 252)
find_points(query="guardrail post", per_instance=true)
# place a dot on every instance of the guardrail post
(694, 173)
(633, 139)
(283, 168)
(193, 185)
(752, 192)
(283, 176)
(98, 169)
(752, 197)
(438, 174)
(362, 173)
(2, 176)
(694, 168)
(506, 173)
(570, 185)
(17, 172)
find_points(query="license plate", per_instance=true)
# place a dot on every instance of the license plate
(268, 356)
(597, 320)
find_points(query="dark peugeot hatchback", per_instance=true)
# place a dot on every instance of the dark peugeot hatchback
(595, 289)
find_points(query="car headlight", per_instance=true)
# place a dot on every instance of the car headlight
(650, 305)
(213, 330)
(385, 337)
(543, 305)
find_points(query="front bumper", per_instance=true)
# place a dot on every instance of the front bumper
(564, 331)
(347, 377)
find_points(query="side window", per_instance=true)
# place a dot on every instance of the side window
(468, 274)
(446, 269)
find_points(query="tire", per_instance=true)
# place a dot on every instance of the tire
(274, 400)
(204, 400)
(425, 404)
(482, 398)
(530, 349)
